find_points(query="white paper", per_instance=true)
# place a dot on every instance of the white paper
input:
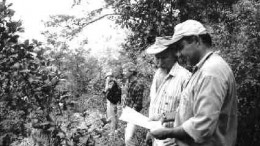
(131, 116)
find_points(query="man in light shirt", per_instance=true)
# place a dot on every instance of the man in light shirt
(168, 83)
(207, 114)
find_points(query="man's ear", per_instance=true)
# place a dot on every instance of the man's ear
(195, 40)
(198, 40)
(178, 54)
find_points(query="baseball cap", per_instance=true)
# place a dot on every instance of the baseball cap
(161, 43)
(186, 28)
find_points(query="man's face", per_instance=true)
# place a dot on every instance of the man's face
(165, 59)
(191, 51)
(108, 78)
(127, 73)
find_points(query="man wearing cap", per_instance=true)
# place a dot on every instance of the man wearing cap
(168, 83)
(132, 97)
(207, 114)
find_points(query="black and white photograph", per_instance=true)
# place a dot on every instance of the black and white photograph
(129, 73)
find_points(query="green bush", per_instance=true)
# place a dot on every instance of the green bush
(28, 82)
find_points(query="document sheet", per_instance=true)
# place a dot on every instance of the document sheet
(131, 116)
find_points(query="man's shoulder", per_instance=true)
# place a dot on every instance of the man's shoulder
(215, 62)
(216, 66)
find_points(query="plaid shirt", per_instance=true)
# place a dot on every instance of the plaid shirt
(166, 90)
(133, 94)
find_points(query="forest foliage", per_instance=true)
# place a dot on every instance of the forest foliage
(43, 83)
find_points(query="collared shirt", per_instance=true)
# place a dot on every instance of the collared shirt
(166, 89)
(208, 104)
(133, 94)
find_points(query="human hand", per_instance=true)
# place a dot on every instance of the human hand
(158, 118)
(155, 118)
(169, 142)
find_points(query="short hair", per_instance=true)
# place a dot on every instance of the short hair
(205, 38)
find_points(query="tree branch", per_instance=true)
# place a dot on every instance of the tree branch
(99, 18)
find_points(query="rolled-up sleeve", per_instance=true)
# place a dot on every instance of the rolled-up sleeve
(209, 96)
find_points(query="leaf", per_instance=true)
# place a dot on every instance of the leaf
(51, 129)
(33, 54)
(61, 135)
(16, 65)
(25, 71)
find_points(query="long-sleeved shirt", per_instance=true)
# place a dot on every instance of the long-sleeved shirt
(133, 94)
(208, 105)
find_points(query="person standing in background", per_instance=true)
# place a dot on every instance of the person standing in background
(132, 97)
(113, 96)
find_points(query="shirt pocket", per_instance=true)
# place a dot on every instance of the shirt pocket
(167, 101)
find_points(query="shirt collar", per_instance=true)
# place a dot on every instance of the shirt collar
(174, 69)
(201, 62)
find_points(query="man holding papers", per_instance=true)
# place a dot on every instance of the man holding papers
(168, 83)
(207, 113)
